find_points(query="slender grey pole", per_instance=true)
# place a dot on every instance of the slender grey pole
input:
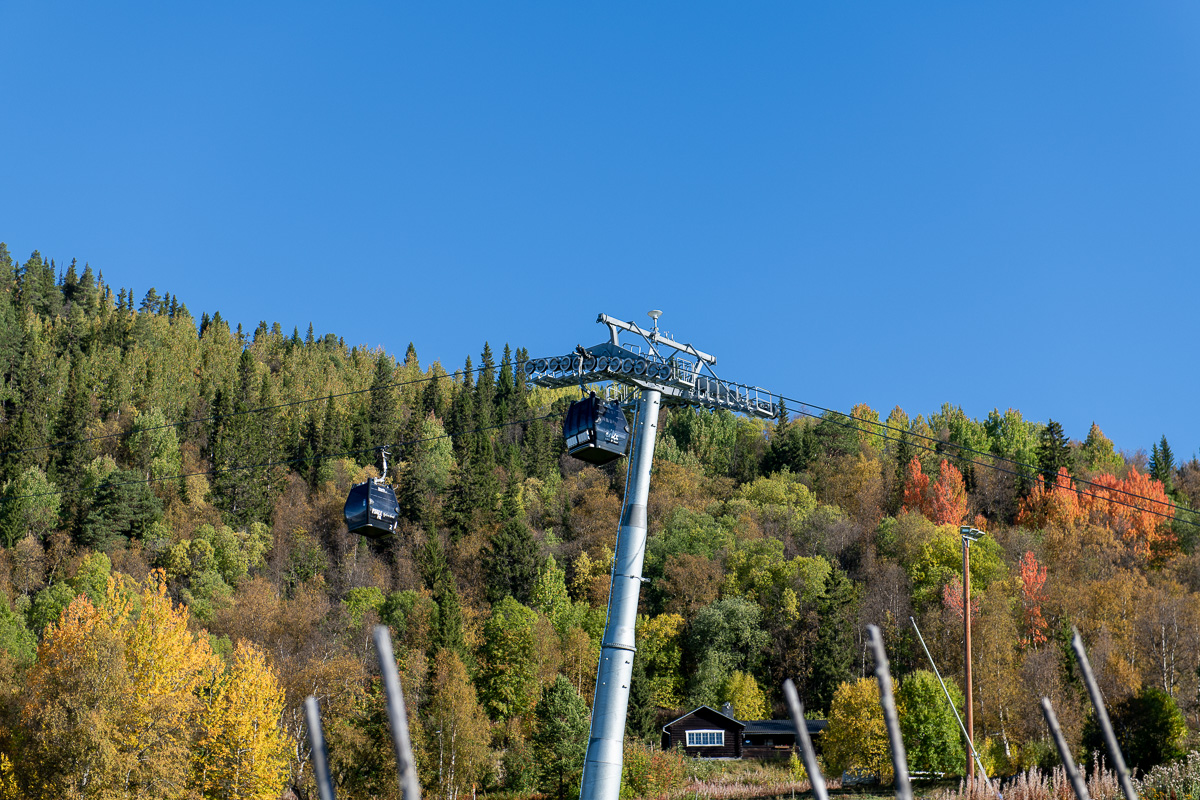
(890, 717)
(406, 770)
(1064, 752)
(606, 740)
(963, 728)
(320, 757)
(806, 745)
(1110, 739)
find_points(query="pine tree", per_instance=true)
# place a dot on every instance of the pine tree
(510, 559)
(560, 738)
(435, 571)
(1162, 464)
(1053, 451)
(382, 411)
(485, 390)
(71, 457)
(243, 445)
(640, 722)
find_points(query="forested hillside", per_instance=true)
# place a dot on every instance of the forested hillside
(176, 576)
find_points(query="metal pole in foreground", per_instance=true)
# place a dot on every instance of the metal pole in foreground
(890, 717)
(1110, 739)
(806, 745)
(320, 756)
(974, 753)
(606, 740)
(1064, 752)
(406, 768)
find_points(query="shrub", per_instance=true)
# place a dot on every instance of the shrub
(1179, 780)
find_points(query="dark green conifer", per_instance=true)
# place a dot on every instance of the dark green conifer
(1053, 451)
(382, 410)
(1162, 464)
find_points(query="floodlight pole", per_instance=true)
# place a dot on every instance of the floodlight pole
(604, 760)
(969, 535)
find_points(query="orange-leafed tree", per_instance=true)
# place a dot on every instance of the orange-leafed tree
(1137, 508)
(948, 498)
(916, 488)
(1033, 578)
(1057, 505)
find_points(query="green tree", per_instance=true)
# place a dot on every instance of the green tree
(857, 735)
(927, 724)
(382, 408)
(560, 739)
(724, 636)
(511, 559)
(1098, 455)
(30, 506)
(1162, 464)
(1053, 451)
(1149, 726)
(123, 508)
(835, 651)
(507, 676)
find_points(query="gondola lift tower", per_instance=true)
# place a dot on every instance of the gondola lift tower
(646, 370)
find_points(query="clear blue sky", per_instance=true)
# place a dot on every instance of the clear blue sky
(991, 204)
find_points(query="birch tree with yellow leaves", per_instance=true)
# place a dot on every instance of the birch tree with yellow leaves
(242, 753)
(113, 697)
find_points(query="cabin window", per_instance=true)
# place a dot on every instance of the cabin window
(705, 738)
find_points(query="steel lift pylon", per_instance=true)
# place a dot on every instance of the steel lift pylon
(650, 369)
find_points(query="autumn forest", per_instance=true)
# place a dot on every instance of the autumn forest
(176, 576)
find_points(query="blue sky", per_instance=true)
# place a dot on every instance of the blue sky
(994, 205)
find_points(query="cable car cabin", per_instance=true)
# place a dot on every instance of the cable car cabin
(372, 509)
(596, 431)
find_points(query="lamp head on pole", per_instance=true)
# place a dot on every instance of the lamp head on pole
(971, 534)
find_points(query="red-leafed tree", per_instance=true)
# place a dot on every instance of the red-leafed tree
(1033, 578)
(948, 500)
(952, 598)
(916, 487)
(945, 502)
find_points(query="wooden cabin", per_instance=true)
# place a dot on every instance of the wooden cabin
(707, 733)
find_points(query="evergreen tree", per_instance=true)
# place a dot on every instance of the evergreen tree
(123, 508)
(435, 571)
(1053, 452)
(72, 454)
(641, 720)
(382, 411)
(485, 390)
(560, 739)
(243, 446)
(505, 388)
(510, 559)
(834, 654)
(1162, 464)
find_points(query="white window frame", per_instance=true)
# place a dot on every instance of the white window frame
(699, 739)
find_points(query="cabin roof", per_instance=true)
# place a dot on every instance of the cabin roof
(713, 715)
(755, 726)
